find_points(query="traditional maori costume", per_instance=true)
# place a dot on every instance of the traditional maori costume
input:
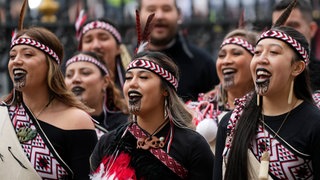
(171, 152)
(117, 155)
(292, 155)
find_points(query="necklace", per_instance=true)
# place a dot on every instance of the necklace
(44, 108)
(265, 157)
(151, 140)
(26, 133)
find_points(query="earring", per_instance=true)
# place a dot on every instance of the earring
(290, 93)
(104, 90)
(165, 108)
(134, 118)
(258, 100)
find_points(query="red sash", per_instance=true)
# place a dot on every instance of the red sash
(165, 158)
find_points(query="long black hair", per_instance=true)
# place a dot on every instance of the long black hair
(245, 132)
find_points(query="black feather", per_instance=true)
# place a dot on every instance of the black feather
(22, 14)
(284, 16)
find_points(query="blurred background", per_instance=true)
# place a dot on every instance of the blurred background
(205, 22)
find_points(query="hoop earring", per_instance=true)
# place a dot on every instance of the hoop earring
(290, 93)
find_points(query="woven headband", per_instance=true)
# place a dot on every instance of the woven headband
(101, 25)
(288, 39)
(36, 44)
(85, 58)
(146, 64)
(238, 41)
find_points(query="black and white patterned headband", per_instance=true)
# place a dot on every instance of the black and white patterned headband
(289, 40)
(149, 65)
(101, 25)
(86, 58)
(36, 44)
(238, 41)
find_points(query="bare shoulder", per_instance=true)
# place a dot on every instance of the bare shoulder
(71, 118)
(78, 119)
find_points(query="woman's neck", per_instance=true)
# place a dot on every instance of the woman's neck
(96, 103)
(36, 100)
(278, 106)
(151, 123)
(97, 110)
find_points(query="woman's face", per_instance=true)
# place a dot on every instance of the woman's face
(27, 67)
(84, 79)
(102, 42)
(233, 67)
(271, 66)
(143, 91)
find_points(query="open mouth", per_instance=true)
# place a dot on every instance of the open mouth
(19, 74)
(77, 90)
(262, 76)
(228, 77)
(19, 78)
(134, 97)
(262, 80)
(228, 71)
(134, 101)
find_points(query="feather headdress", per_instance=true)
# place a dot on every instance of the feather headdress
(285, 37)
(22, 14)
(284, 16)
(29, 41)
(143, 37)
(21, 20)
(80, 20)
(240, 41)
(241, 23)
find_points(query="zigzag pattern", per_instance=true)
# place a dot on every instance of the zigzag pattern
(283, 163)
(85, 58)
(294, 43)
(142, 63)
(232, 123)
(165, 158)
(101, 25)
(36, 150)
(238, 41)
(36, 44)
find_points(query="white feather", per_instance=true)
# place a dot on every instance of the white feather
(142, 46)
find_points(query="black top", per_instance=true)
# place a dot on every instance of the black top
(73, 146)
(189, 148)
(111, 119)
(196, 67)
(301, 130)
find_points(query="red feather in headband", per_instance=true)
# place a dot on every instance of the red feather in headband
(81, 17)
(143, 39)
